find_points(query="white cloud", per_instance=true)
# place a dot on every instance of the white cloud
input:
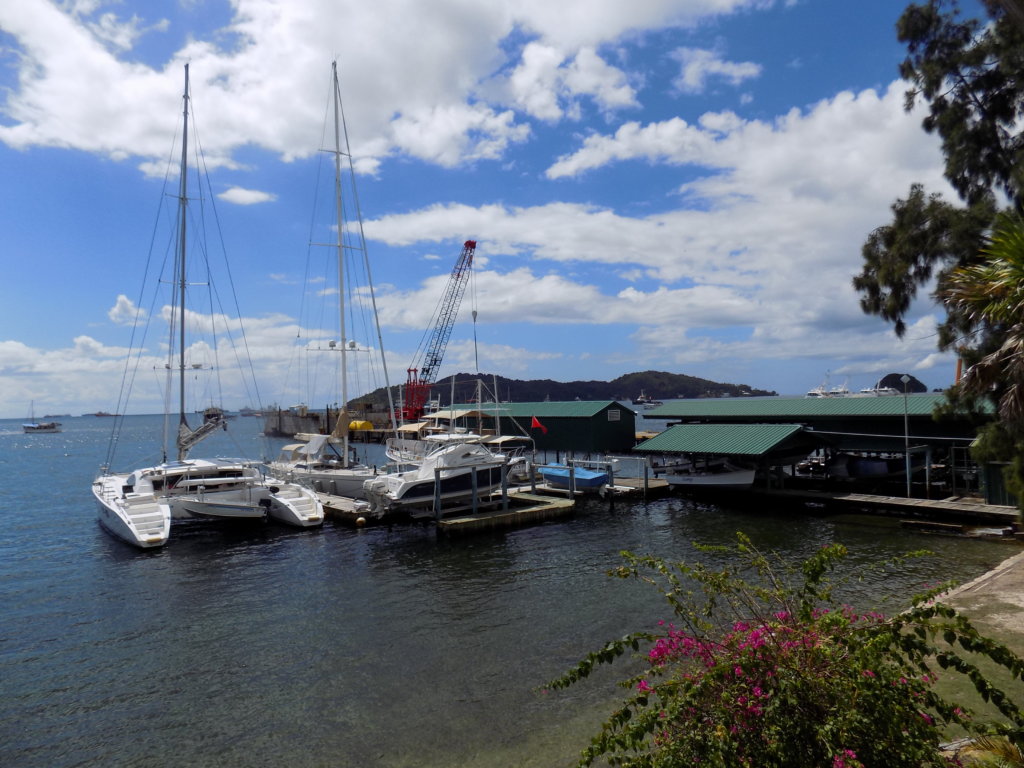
(241, 196)
(547, 83)
(124, 311)
(699, 65)
(121, 35)
(260, 79)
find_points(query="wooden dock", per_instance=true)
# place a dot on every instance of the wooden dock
(523, 509)
(953, 508)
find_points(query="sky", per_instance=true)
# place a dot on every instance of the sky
(670, 185)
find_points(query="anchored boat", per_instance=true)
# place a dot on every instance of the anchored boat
(138, 506)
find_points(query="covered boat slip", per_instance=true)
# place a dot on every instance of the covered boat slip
(724, 455)
(774, 434)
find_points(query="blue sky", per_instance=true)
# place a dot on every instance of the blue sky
(677, 185)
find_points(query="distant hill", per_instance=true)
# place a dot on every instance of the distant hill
(659, 385)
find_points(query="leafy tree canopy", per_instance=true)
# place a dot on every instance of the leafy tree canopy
(968, 72)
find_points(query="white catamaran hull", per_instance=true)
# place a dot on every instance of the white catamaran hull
(140, 519)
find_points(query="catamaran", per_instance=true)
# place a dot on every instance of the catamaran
(138, 506)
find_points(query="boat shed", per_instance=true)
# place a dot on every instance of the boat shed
(882, 423)
(580, 426)
(774, 430)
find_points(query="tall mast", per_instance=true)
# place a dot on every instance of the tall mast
(182, 207)
(343, 413)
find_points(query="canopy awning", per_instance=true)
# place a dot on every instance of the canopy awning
(725, 439)
(419, 426)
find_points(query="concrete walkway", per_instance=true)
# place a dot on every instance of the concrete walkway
(994, 602)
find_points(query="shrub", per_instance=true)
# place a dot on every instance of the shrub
(763, 667)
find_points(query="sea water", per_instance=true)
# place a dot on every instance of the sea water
(260, 645)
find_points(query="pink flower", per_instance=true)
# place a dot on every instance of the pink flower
(643, 686)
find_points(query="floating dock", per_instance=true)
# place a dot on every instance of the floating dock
(523, 509)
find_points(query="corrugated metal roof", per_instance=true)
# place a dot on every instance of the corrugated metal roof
(796, 407)
(566, 409)
(733, 439)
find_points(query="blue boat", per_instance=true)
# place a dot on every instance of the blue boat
(584, 479)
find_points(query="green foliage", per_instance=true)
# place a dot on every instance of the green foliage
(991, 752)
(927, 236)
(761, 666)
(968, 74)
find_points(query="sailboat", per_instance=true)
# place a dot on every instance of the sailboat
(138, 506)
(32, 427)
(326, 462)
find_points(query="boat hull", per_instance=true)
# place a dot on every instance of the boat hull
(453, 474)
(141, 520)
(732, 478)
(295, 505)
(35, 429)
(216, 507)
(582, 479)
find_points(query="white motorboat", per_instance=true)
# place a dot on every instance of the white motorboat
(452, 473)
(879, 391)
(646, 401)
(711, 474)
(324, 462)
(138, 506)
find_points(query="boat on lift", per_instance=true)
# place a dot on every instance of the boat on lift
(452, 473)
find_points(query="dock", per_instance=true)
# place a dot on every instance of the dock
(523, 509)
(951, 508)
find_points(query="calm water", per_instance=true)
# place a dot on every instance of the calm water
(265, 646)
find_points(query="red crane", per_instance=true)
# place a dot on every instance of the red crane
(422, 375)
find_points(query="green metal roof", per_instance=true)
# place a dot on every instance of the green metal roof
(566, 409)
(796, 407)
(733, 439)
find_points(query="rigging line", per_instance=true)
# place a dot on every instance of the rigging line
(223, 249)
(130, 373)
(366, 258)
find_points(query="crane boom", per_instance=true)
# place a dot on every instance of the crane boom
(417, 387)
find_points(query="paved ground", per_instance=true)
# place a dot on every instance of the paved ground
(994, 602)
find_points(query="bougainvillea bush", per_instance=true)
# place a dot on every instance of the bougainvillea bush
(758, 668)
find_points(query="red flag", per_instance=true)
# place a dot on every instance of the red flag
(535, 424)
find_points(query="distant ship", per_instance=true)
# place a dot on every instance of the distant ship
(99, 413)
